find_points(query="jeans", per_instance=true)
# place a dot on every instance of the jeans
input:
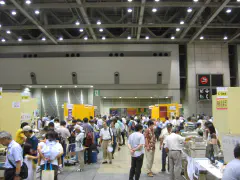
(123, 137)
(164, 158)
(136, 167)
(114, 144)
(64, 152)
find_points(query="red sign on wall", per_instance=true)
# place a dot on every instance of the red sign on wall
(203, 80)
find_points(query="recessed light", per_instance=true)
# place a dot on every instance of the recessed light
(75, 86)
(43, 39)
(101, 29)
(177, 29)
(3, 40)
(151, 97)
(85, 38)
(154, 10)
(225, 38)
(238, 0)
(30, 86)
(0, 25)
(195, 0)
(14, 12)
(173, 37)
(99, 22)
(2, 2)
(60, 86)
(228, 10)
(103, 38)
(129, 0)
(135, 97)
(120, 97)
(201, 38)
(37, 12)
(182, 22)
(147, 37)
(60, 38)
(81, 30)
(77, 23)
(166, 97)
(189, 10)
(105, 97)
(156, 0)
(129, 37)
(28, 2)
(20, 39)
(45, 86)
(129, 10)
(91, 86)
(8, 32)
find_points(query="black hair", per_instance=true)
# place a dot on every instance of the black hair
(51, 135)
(91, 117)
(56, 120)
(138, 121)
(45, 129)
(138, 127)
(74, 121)
(27, 149)
(198, 124)
(63, 123)
(166, 118)
(78, 120)
(85, 120)
(52, 117)
(211, 129)
(149, 123)
(132, 118)
(51, 124)
(24, 124)
(237, 151)
(177, 118)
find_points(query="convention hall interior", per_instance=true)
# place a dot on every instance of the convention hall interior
(119, 89)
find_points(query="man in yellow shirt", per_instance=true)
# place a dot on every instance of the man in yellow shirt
(20, 137)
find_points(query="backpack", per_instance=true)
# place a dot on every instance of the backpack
(88, 138)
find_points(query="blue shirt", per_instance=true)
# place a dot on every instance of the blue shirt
(33, 141)
(14, 154)
(232, 170)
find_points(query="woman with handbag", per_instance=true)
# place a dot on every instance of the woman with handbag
(49, 153)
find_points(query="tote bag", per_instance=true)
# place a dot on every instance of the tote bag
(48, 174)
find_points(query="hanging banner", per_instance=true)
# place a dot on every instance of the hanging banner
(222, 98)
(25, 96)
(0, 92)
(69, 114)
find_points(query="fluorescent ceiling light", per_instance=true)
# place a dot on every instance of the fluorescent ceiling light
(2, 2)
(77, 23)
(45, 86)
(60, 39)
(120, 97)
(101, 29)
(182, 22)
(147, 37)
(177, 29)
(189, 10)
(103, 38)
(60, 86)
(129, 37)
(20, 39)
(225, 38)
(228, 10)
(81, 30)
(37, 12)
(105, 97)
(85, 38)
(129, 10)
(28, 2)
(3, 40)
(201, 38)
(8, 32)
(173, 37)
(43, 39)
(75, 86)
(99, 22)
(154, 10)
(195, 0)
(14, 12)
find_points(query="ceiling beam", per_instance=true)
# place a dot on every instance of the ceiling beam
(86, 19)
(167, 25)
(25, 13)
(120, 4)
(219, 9)
(234, 37)
(194, 19)
(140, 21)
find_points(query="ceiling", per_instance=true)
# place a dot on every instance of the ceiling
(56, 21)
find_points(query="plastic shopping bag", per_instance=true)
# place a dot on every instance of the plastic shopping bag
(48, 174)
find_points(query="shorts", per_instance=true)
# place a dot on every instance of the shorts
(71, 147)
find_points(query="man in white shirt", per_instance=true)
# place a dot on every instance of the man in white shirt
(165, 132)
(100, 123)
(106, 138)
(136, 143)
(174, 144)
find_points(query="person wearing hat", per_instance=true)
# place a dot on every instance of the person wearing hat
(79, 147)
(20, 137)
(173, 146)
(165, 132)
(31, 139)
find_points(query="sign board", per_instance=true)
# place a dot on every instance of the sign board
(180, 106)
(172, 108)
(0, 92)
(96, 92)
(151, 107)
(69, 106)
(69, 114)
(25, 96)
(229, 142)
(204, 94)
(25, 117)
(222, 98)
(203, 80)
(16, 105)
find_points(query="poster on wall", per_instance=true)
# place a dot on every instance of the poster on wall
(16, 105)
(25, 96)
(222, 98)
(0, 92)
(25, 117)
(204, 94)
(115, 111)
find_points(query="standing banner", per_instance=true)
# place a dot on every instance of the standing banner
(222, 98)
(0, 92)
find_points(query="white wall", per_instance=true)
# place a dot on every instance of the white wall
(204, 58)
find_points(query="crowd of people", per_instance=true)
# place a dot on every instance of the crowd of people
(57, 142)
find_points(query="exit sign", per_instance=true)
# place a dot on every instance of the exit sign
(96, 92)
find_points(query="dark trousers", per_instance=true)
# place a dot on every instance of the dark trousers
(114, 144)
(64, 152)
(136, 167)
(123, 137)
(164, 159)
(9, 174)
(54, 168)
(89, 154)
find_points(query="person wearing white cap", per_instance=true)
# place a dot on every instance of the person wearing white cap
(79, 147)
(31, 139)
